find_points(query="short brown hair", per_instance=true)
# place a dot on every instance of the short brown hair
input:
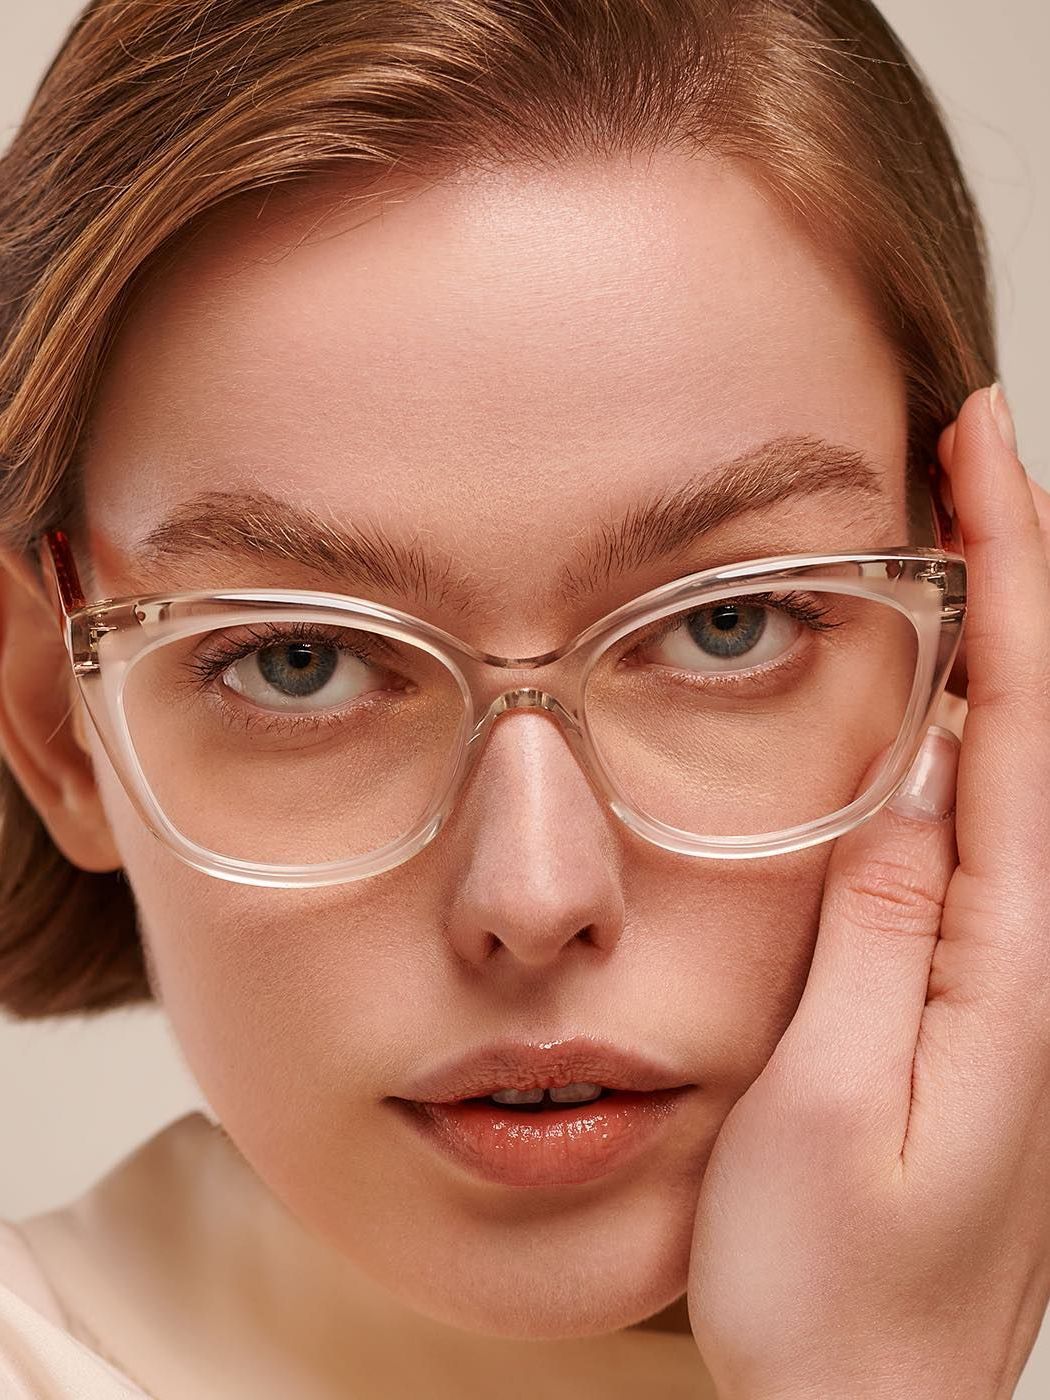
(156, 111)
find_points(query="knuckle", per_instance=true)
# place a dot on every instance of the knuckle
(826, 1101)
(826, 1110)
(1019, 679)
(1010, 1015)
(889, 896)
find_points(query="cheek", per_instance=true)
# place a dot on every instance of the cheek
(738, 938)
(251, 977)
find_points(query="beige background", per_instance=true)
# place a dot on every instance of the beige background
(75, 1096)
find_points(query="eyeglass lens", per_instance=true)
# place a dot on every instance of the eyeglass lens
(288, 740)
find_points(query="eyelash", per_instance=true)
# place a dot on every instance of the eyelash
(206, 667)
(802, 607)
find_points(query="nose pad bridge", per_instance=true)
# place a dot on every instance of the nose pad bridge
(526, 698)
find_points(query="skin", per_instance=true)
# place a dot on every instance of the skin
(482, 366)
(873, 1217)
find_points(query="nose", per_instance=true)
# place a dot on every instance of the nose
(534, 861)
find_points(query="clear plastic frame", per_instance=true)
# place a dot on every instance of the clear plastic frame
(117, 646)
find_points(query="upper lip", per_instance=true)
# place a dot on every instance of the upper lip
(511, 1064)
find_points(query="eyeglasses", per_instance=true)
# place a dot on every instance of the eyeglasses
(292, 738)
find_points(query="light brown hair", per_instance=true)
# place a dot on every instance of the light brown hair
(156, 111)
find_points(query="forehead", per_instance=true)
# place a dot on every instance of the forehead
(487, 360)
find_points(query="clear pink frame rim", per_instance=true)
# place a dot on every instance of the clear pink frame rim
(927, 585)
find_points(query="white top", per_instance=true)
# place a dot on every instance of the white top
(179, 1274)
(40, 1357)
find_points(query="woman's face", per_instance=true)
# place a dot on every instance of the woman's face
(486, 369)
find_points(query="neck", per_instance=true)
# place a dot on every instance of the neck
(185, 1230)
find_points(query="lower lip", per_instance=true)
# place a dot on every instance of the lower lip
(562, 1145)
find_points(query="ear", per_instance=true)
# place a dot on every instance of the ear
(43, 721)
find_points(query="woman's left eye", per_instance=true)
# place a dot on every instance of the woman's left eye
(728, 636)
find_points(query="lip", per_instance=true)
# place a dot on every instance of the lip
(561, 1145)
(509, 1064)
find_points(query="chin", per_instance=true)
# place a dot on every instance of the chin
(551, 1279)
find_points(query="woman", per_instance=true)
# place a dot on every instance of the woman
(470, 618)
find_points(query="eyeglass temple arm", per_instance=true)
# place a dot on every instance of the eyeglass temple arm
(60, 573)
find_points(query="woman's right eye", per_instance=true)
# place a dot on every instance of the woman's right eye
(301, 675)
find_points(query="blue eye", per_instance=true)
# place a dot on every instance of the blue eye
(737, 634)
(727, 630)
(296, 668)
(299, 669)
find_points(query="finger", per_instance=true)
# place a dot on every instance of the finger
(958, 679)
(1041, 497)
(989, 995)
(1003, 822)
(852, 1040)
(956, 683)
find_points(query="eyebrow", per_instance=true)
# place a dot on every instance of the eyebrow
(256, 525)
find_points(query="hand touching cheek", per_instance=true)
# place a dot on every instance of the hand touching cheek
(874, 1217)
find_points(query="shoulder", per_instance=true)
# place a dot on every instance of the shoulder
(20, 1272)
(39, 1358)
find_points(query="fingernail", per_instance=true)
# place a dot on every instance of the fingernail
(1004, 420)
(928, 792)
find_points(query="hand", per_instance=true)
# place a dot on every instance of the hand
(874, 1220)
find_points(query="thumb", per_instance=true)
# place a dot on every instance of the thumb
(852, 1040)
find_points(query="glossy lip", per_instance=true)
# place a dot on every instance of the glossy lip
(510, 1064)
(563, 1145)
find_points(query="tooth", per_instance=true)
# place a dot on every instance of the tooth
(517, 1095)
(575, 1093)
